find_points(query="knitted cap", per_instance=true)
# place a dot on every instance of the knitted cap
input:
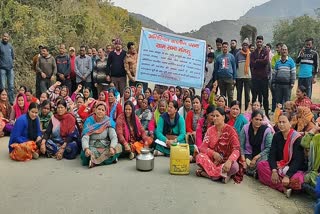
(246, 41)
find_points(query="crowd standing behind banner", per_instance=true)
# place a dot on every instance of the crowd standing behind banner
(67, 117)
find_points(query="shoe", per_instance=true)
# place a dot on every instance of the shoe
(157, 153)
(35, 155)
(131, 155)
(288, 192)
(255, 175)
(226, 179)
(115, 161)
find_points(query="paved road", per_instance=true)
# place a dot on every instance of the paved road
(51, 186)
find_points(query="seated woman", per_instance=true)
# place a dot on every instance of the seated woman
(204, 124)
(311, 144)
(19, 108)
(25, 136)
(303, 100)
(236, 119)
(131, 133)
(305, 120)
(140, 98)
(64, 92)
(128, 95)
(205, 94)
(193, 117)
(61, 137)
(220, 151)
(282, 169)
(166, 95)
(221, 102)
(161, 108)
(99, 140)
(155, 99)
(186, 107)
(75, 110)
(45, 115)
(257, 106)
(172, 91)
(171, 129)
(144, 114)
(103, 96)
(255, 140)
(179, 95)
(44, 96)
(5, 109)
(114, 107)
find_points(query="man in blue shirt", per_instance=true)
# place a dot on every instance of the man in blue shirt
(309, 62)
(6, 66)
(225, 72)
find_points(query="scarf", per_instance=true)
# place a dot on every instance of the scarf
(256, 140)
(5, 109)
(91, 126)
(32, 128)
(17, 108)
(67, 124)
(247, 65)
(305, 119)
(168, 126)
(288, 148)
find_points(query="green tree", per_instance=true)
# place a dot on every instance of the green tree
(294, 32)
(248, 31)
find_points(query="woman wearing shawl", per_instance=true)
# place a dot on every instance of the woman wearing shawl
(179, 95)
(45, 115)
(205, 94)
(171, 129)
(303, 100)
(5, 110)
(114, 108)
(254, 107)
(311, 144)
(144, 114)
(282, 169)
(155, 99)
(305, 119)
(128, 95)
(204, 124)
(131, 133)
(187, 106)
(25, 135)
(99, 140)
(103, 96)
(161, 108)
(255, 140)
(61, 137)
(236, 119)
(172, 91)
(220, 151)
(19, 108)
(64, 92)
(166, 95)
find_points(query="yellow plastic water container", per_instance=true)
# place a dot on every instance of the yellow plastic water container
(179, 159)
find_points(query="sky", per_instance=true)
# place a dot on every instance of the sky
(187, 15)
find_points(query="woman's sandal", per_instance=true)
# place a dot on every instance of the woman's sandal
(201, 173)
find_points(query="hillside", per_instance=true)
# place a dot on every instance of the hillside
(150, 23)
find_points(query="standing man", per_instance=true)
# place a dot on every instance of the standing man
(83, 68)
(309, 62)
(34, 68)
(243, 77)
(284, 77)
(72, 56)
(6, 66)
(46, 69)
(233, 47)
(276, 57)
(218, 52)
(63, 67)
(259, 64)
(108, 50)
(225, 72)
(130, 64)
(116, 68)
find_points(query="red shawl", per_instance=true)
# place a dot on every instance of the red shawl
(16, 107)
(67, 124)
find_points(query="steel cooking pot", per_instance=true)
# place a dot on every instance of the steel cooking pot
(145, 160)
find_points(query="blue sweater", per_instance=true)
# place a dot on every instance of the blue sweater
(309, 63)
(285, 72)
(225, 67)
(6, 56)
(19, 132)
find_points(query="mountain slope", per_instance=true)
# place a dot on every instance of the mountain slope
(150, 23)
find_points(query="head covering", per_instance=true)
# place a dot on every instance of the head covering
(91, 126)
(72, 49)
(16, 107)
(67, 124)
(284, 46)
(247, 54)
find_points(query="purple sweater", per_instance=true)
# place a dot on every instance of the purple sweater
(259, 64)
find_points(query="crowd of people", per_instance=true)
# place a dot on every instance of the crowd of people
(85, 106)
